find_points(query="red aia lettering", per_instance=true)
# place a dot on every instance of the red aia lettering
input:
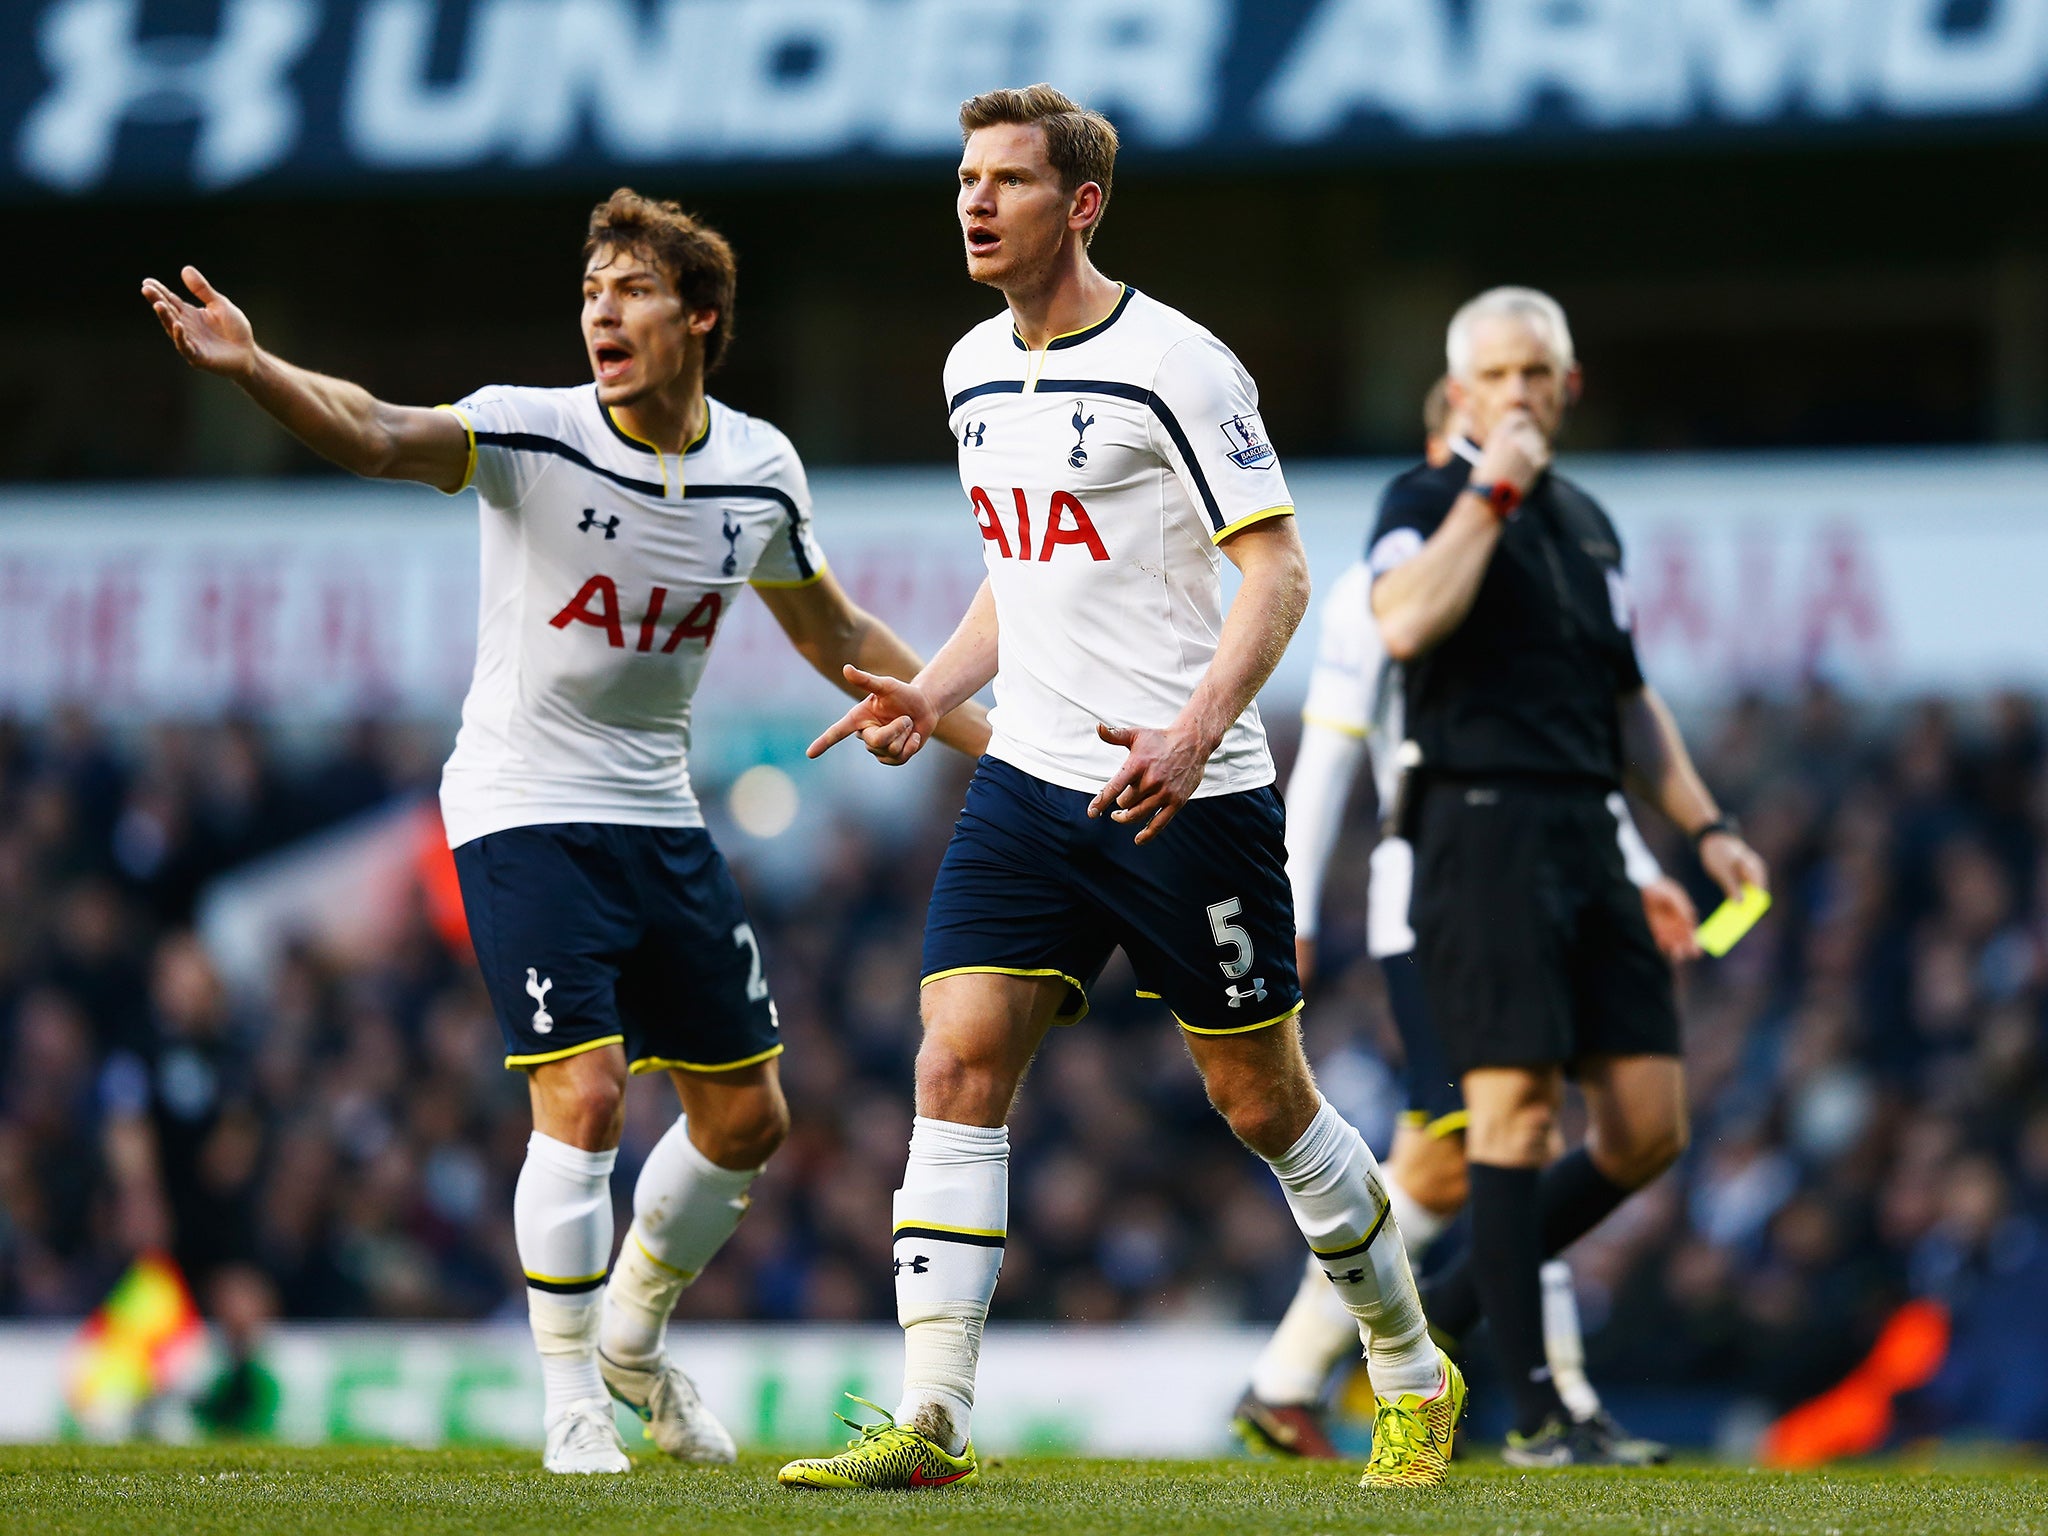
(1067, 522)
(1083, 531)
(578, 610)
(985, 514)
(596, 603)
(700, 623)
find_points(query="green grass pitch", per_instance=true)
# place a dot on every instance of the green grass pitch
(82, 1491)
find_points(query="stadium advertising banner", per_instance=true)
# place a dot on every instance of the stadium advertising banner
(151, 96)
(1155, 1390)
(1890, 574)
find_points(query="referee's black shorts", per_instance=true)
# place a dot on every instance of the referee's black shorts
(1533, 944)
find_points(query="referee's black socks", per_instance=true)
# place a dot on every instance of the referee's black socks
(1506, 1254)
(1570, 1198)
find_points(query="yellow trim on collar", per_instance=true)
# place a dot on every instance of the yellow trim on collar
(1286, 509)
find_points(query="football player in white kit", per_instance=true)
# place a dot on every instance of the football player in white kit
(1352, 713)
(1111, 454)
(621, 521)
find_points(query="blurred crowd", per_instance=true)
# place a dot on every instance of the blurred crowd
(1869, 1097)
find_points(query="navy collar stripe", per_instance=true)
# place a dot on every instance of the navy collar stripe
(637, 446)
(533, 442)
(1135, 392)
(1086, 333)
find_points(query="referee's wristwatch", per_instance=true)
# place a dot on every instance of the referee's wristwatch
(1721, 823)
(1501, 496)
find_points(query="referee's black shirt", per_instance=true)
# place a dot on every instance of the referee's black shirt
(1527, 685)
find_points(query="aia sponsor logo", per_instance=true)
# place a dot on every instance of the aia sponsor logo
(596, 603)
(1064, 521)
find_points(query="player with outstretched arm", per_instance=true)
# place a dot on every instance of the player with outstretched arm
(621, 520)
(1111, 452)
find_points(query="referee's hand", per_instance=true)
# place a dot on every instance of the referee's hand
(1732, 864)
(1516, 451)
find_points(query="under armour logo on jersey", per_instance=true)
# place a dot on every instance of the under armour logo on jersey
(972, 436)
(918, 1264)
(610, 525)
(731, 530)
(543, 1021)
(1349, 1277)
(1079, 456)
(1255, 993)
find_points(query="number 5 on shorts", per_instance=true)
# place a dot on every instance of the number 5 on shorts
(1230, 934)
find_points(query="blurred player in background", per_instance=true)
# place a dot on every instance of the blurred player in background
(1354, 710)
(621, 519)
(1499, 587)
(1110, 448)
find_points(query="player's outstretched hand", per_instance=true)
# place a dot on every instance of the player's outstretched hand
(212, 335)
(1672, 919)
(1160, 771)
(1732, 864)
(893, 721)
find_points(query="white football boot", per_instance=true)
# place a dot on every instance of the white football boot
(584, 1439)
(677, 1420)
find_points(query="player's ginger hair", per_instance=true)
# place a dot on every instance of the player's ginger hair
(1080, 144)
(693, 256)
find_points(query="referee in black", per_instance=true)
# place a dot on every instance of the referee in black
(1498, 584)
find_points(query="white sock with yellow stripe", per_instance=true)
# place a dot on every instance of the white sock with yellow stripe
(1334, 1187)
(684, 1208)
(951, 1216)
(562, 1216)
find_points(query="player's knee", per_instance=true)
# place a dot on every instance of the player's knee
(1434, 1174)
(749, 1133)
(1267, 1122)
(586, 1110)
(955, 1085)
(1645, 1155)
(1519, 1136)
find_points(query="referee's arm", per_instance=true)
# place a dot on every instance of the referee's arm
(1427, 596)
(1661, 770)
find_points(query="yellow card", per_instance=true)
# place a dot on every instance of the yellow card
(1724, 928)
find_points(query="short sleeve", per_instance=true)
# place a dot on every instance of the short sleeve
(792, 557)
(1208, 412)
(1348, 659)
(498, 420)
(1410, 511)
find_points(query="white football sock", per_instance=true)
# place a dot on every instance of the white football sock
(684, 1208)
(1316, 1333)
(1420, 1226)
(562, 1215)
(951, 1216)
(1333, 1186)
(1563, 1345)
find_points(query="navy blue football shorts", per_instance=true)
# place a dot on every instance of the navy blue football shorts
(1030, 886)
(591, 934)
(1435, 1101)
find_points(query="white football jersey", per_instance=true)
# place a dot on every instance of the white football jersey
(608, 567)
(1103, 472)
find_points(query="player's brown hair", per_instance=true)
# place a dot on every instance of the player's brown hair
(691, 254)
(1080, 145)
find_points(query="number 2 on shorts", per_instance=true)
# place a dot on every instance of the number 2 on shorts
(757, 984)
